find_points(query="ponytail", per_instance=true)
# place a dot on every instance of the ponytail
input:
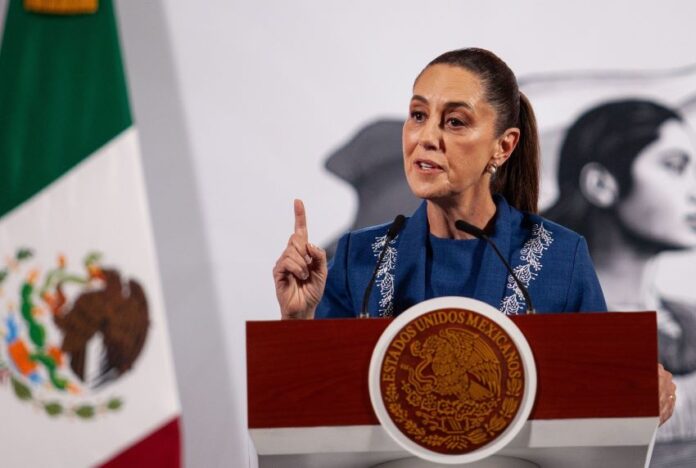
(518, 179)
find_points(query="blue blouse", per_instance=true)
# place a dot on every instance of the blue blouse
(452, 266)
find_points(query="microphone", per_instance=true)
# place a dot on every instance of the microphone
(394, 229)
(480, 234)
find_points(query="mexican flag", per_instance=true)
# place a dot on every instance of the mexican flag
(86, 373)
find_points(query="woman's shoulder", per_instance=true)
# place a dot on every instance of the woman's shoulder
(545, 242)
(529, 225)
(371, 231)
(366, 232)
(360, 239)
(357, 249)
(411, 226)
(366, 235)
(559, 231)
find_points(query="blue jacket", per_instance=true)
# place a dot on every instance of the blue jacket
(552, 261)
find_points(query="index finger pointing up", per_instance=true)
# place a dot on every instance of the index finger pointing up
(300, 219)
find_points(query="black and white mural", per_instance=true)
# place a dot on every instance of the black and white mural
(620, 168)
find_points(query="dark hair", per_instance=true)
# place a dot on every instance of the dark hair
(518, 179)
(612, 134)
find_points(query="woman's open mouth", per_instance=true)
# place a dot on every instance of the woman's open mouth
(427, 166)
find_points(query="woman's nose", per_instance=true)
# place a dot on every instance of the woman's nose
(431, 135)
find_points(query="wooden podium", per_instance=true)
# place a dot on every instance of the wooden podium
(596, 402)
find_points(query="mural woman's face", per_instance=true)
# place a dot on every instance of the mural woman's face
(662, 204)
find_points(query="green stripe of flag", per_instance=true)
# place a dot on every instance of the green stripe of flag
(62, 96)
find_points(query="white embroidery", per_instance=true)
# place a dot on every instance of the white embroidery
(385, 275)
(531, 254)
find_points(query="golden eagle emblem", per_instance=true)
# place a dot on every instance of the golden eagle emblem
(452, 381)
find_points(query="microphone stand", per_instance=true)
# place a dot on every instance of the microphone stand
(480, 234)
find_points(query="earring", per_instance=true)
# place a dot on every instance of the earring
(491, 168)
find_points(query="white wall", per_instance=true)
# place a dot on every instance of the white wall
(240, 102)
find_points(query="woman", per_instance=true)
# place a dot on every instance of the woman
(627, 180)
(471, 152)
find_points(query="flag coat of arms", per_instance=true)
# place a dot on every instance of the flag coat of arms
(86, 374)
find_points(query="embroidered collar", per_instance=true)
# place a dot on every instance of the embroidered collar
(402, 283)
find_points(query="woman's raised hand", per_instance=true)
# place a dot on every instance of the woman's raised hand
(300, 272)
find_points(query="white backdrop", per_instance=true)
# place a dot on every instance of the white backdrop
(268, 89)
(239, 103)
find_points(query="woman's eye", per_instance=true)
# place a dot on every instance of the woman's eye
(418, 116)
(454, 122)
(676, 162)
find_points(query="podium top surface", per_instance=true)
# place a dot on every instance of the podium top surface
(314, 373)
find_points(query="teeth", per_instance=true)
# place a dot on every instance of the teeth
(426, 165)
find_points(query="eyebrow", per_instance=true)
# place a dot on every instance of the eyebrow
(448, 105)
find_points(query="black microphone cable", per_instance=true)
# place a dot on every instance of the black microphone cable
(480, 234)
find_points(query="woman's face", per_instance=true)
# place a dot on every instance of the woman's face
(449, 136)
(662, 204)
